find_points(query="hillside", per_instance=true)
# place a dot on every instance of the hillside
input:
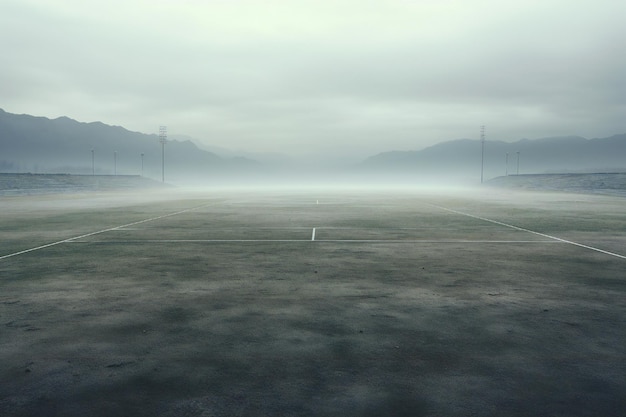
(462, 158)
(31, 144)
(62, 145)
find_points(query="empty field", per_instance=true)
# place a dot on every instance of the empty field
(313, 303)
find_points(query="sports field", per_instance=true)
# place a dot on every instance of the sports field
(313, 303)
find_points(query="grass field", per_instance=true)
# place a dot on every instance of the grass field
(313, 303)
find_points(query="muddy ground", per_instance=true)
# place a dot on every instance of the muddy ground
(222, 304)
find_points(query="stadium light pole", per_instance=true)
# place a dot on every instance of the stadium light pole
(517, 162)
(93, 166)
(163, 140)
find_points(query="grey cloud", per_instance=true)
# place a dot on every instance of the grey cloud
(535, 70)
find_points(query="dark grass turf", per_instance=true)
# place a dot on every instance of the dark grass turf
(431, 317)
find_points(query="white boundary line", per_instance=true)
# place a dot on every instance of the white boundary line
(552, 238)
(306, 240)
(100, 231)
(617, 255)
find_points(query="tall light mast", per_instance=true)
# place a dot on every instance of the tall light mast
(163, 140)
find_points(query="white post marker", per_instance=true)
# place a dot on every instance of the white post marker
(313, 235)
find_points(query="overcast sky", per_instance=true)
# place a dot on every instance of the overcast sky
(301, 77)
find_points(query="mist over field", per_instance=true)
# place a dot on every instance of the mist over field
(40, 145)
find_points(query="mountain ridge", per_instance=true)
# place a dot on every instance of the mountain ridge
(543, 155)
(63, 145)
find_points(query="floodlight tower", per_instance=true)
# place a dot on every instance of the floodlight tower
(163, 140)
(482, 159)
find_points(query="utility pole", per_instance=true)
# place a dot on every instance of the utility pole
(163, 140)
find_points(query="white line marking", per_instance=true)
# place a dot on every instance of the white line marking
(433, 241)
(117, 242)
(100, 231)
(617, 255)
(306, 240)
(313, 235)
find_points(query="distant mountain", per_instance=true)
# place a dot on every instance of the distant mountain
(462, 158)
(269, 158)
(62, 145)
